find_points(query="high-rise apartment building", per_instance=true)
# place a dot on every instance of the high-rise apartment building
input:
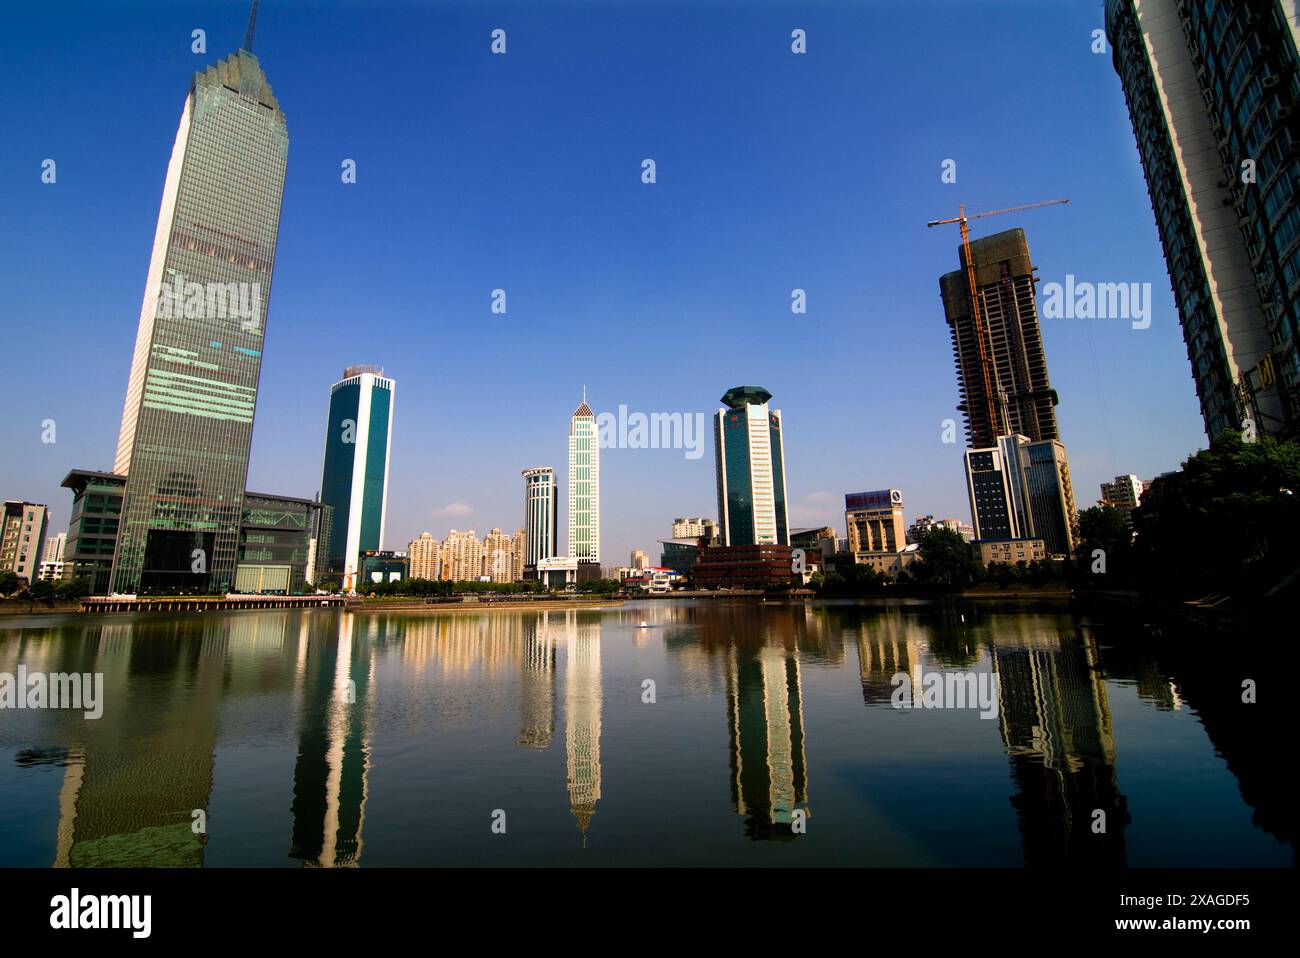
(1213, 90)
(1021, 489)
(462, 556)
(425, 557)
(187, 421)
(696, 528)
(498, 556)
(584, 492)
(1005, 389)
(54, 547)
(541, 513)
(750, 464)
(1124, 493)
(354, 481)
(22, 535)
(518, 548)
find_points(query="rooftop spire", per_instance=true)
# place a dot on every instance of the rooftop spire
(252, 22)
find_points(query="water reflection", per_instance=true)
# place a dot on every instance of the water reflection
(128, 789)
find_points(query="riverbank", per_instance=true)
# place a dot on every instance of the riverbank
(14, 607)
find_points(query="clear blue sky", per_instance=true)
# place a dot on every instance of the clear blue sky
(522, 171)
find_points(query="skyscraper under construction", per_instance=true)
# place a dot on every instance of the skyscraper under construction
(1004, 386)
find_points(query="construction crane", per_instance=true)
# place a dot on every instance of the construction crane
(988, 372)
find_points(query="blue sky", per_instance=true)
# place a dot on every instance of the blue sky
(523, 172)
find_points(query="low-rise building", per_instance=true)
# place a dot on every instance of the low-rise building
(745, 567)
(381, 566)
(1010, 551)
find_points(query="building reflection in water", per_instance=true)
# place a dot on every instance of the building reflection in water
(130, 787)
(335, 691)
(1056, 725)
(582, 707)
(764, 696)
(537, 681)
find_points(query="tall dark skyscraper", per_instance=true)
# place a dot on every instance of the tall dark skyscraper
(187, 423)
(1018, 397)
(1213, 89)
(354, 479)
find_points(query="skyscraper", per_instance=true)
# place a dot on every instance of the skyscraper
(584, 492)
(187, 421)
(1006, 390)
(541, 513)
(354, 483)
(1022, 490)
(1214, 93)
(750, 456)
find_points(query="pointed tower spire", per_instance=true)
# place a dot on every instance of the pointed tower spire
(252, 23)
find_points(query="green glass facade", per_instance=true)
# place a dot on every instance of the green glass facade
(92, 530)
(187, 422)
(274, 540)
(354, 477)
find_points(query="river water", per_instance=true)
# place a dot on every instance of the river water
(655, 733)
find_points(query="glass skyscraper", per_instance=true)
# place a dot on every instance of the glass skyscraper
(187, 422)
(584, 491)
(1021, 489)
(1213, 89)
(541, 512)
(354, 482)
(750, 456)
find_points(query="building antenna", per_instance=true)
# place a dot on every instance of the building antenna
(252, 22)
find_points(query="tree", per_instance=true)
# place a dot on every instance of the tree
(946, 559)
(43, 591)
(9, 583)
(1107, 529)
(1228, 521)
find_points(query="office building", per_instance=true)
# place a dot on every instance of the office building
(1011, 551)
(92, 529)
(875, 521)
(375, 566)
(640, 561)
(541, 514)
(187, 421)
(1213, 93)
(274, 545)
(750, 464)
(22, 536)
(1003, 387)
(322, 537)
(354, 481)
(584, 492)
(274, 539)
(745, 567)
(1020, 489)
